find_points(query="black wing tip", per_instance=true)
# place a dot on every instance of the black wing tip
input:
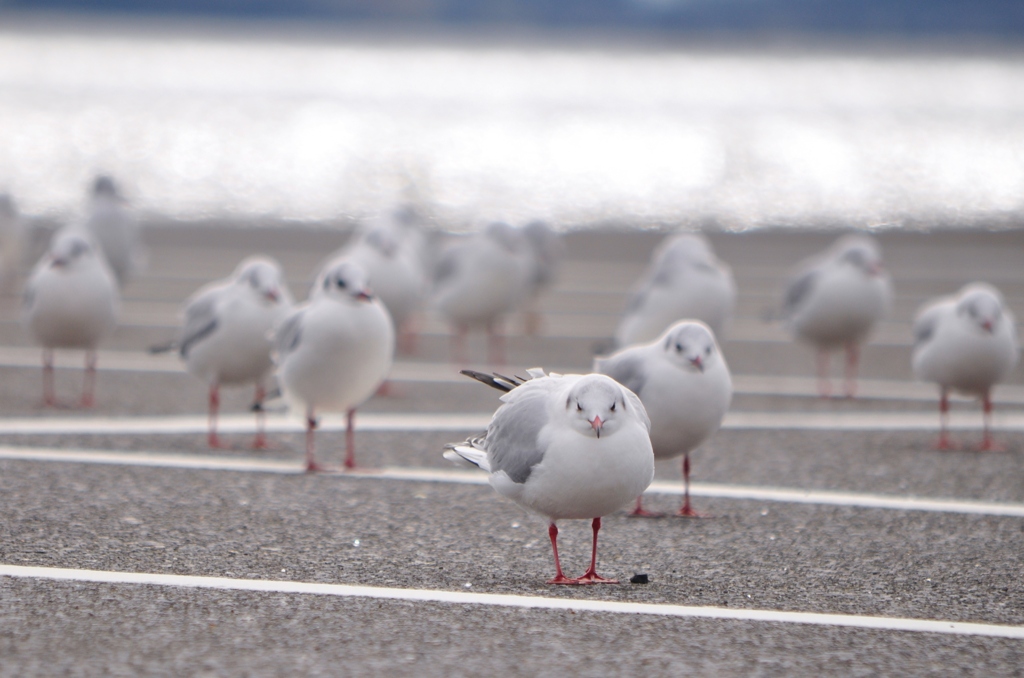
(162, 348)
(498, 381)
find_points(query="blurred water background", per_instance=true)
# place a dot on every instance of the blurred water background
(323, 121)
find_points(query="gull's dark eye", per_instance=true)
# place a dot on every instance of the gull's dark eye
(579, 408)
(707, 351)
(341, 283)
(679, 348)
(613, 407)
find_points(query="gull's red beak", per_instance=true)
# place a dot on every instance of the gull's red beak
(596, 425)
(987, 326)
(364, 295)
(875, 270)
(698, 363)
(58, 262)
(272, 295)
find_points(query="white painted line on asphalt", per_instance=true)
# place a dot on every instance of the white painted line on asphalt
(510, 600)
(440, 421)
(474, 477)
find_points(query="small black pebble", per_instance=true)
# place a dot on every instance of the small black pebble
(638, 579)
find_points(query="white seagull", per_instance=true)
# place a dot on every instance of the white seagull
(566, 447)
(480, 279)
(71, 301)
(966, 343)
(114, 228)
(835, 300)
(684, 382)
(225, 338)
(684, 281)
(334, 351)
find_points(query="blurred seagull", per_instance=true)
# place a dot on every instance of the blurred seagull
(114, 228)
(225, 339)
(12, 236)
(334, 351)
(566, 447)
(71, 301)
(967, 343)
(835, 299)
(480, 279)
(546, 250)
(394, 269)
(684, 383)
(684, 281)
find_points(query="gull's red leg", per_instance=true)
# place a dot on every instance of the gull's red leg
(987, 443)
(49, 399)
(559, 577)
(89, 380)
(590, 576)
(212, 439)
(944, 443)
(640, 512)
(852, 361)
(311, 465)
(350, 438)
(824, 387)
(687, 510)
(260, 442)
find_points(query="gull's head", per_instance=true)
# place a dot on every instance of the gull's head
(70, 249)
(860, 252)
(691, 345)
(104, 186)
(686, 249)
(347, 280)
(384, 240)
(595, 405)
(981, 305)
(509, 238)
(264, 278)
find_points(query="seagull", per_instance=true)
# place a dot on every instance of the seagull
(12, 237)
(71, 301)
(115, 228)
(684, 281)
(225, 337)
(835, 299)
(394, 269)
(967, 343)
(566, 447)
(684, 382)
(546, 250)
(333, 352)
(479, 280)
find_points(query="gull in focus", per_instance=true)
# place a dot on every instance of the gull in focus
(566, 447)
(114, 227)
(225, 337)
(685, 280)
(334, 351)
(71, 300)
(835, 300)
(967, 343)
(477, 281)
(684, 383)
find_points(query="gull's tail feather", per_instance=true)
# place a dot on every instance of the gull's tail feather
(467, 452)
(164, 348)
(498, 381)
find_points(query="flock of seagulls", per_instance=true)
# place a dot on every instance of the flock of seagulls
(575, 446)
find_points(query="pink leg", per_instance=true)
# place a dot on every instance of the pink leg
(640, 512)
(408, 337)
(559, 577)
(852, 361)
(350, 439)
(944, 443)
(987, 443)
(824, 387)
(212, 439)
(260, 441)
(89, 380)
(49, 399)
(459, 344)
(495, 343)
(311, 465)
(590, 576)
(687, 510)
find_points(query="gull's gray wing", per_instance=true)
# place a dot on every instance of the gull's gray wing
(798, 289)
(288, 335)
(447, 266)
(626, 367)
(513, 435)
(200, 320)
(925, 324)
